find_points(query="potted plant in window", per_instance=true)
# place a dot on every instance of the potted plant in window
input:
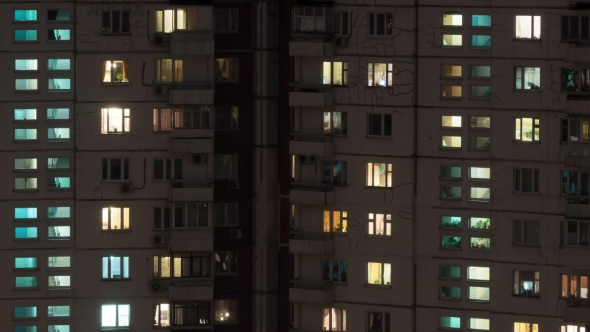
(120, 77)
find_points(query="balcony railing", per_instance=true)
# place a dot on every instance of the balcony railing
(310, 236)
(308, 243)
(314, 95)
(577, 208)
(191, 191)
(310, 292)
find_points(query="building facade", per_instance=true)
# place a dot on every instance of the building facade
(139, 195)
(437, 166)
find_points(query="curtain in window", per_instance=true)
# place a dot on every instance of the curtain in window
(178, 77)
(125, 68)
(106, 71)
(523, 27)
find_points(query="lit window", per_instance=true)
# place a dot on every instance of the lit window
(380, 74)
(25, 64)
(196, 118)
(334, 319)
(479, 173)
(450, 272)
(226, 70)
(451, 222)
(452, 40)
(311, 19)
(58, 34)
(479, 294)
(226, 20)
(28, 328)
(450, 192)
(114, 267)
(115, 315)
(115, 71)
(28, 114)
(379, 175)
(115, 218)
(452, 20)
(335, 172)
(22, 164)
(58, 15)
(381, 24)
(57, 282)
(168, 169)
(448, 322)
(226, 166)
(162, 315)
(58, 163)
(335, 73)
(115, 22)
(450, 242)
(526, 283)
(115, 169)
(335, 123)
(25, 183)
(164, 20)
(574, 286)
(59, 84)
(527, 78)
(480, 243)
(185, 18)
(58, 114)
(58, 64)
(481, 72)
(478, 273)
(226, 263)
(451, 121)
(163, 119)
(529, 327)
(25, 15)
(168, 71)
(528, 27)
(378, 273)
(449, 71)
(225, 311)
(481, 91)
(379, 224)
(479, 122)
(480, 143)
(58, 232)
(25, 282)
(23, 263)
(60, 328)
(226, 118)
(527, 129)
(334, 270)
(191, 265)
(60, 212)
(58, 262)
(451, 91)
(481, 21)
(25, 35)
(26, 84)
(194, 313)
(379, 124)
(479, 324)
(115, 120)
(526, 180)
(481, 41)
(451, 142)
(526, 232)
(450, 292)
(58, 311)
(479, 224)
(480, 194)
(58, 134)
(336, 221)
(378, 321)
(162, 267)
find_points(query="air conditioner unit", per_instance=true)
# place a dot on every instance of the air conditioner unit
(235, 233)
(199, 158)
(161, 90)
(126, 187)
(306, 160)
(163, 39)
(233, 184)
(157, 286)
(160, 240)
(340, 42)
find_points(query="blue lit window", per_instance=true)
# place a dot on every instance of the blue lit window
(25, 35)
(25, 15)
(26, 282)
(58, 212)
(58, 64)
(25, 329)
(481, 41)
(25, 262)
(481, 20)
(25, 312)
(25, 213)
(25, 232)
(58, 34)
(55, 84)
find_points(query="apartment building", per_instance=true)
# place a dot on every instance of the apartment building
(437, 172)
(133, 199)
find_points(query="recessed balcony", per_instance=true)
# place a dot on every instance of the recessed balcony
(311, 145)
(191, 239)
(191, 191)
(195, 93)
(191, 43)
(310, 95)
(577, 311)
(191, 133)
(191, 289)
(310, 292)
(577, 155)
(311, 243)
(577, 208)
(311, 193)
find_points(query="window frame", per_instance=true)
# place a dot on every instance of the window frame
(193, 258)
(26, 80)
(344, 20)
(35, 41)
(158, 315)
(343, 78)
(533, 88)
(169, 169)
(536, 122)
(233, 159)
(476, 97)
(443, 77)
(370, 175)
(387, 28)
(450, 178)
(110, 228)
(232, 257)
(195, 221)
(105, 121)
(163, 212)
(233, 14)
(70, 31)
(383, 119)
(521, 225)
(14, 21)
(58, 21)
(225, 206)
(442, 96)
(332, 129)
(385, 320)
(113, 78)
(452, 198)
(473, 139)
(157, 263)
(387, 221)
(233, 125)
(565, 231)
(158, 64)
(117, 316)
(184, 306)
(121, 20)
(487, 78)
(232, 307)
(125, 163)
(383, 283)
(371, 82)
(333, 179)
(532, 27)
(329, 278)
(121, 268)
(233, 63)
(23, 71)
(475, 47)
(518, 181)
(517, 281)
(568, 288)
(449, 298)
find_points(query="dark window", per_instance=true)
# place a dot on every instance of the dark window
(379, 125)
(380, 24)
(115, 169)
(191, 313)
(226, 262)
(378, 322)
(115, 21)
(58, 15)
(526, 283)
(526, 232)
(226, 20)
(335, 172)
(193, 265)
(226, 118)
(168, 169)
(575, 79)
(526, 180)
(162, 217)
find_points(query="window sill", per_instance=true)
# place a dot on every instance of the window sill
(103, 33)
(23, 72)
(376, 187)
(478, 301)
(479, 250)
(58, 21)
(58, 91)
(526, 142)
(534, 40)
(480, 150)
(117, 133)
(221, 82)
(25, 22)
(379, 137)
(115, 279)
(450, 248)
(58, 169)
(451, 98)
(455, 78)
(449, 299)
(480, 78)
(446, 148)
(450, 179)
(482, 230)
(378, 87)
(116, 83)
(59, 141)
(451, 128)
(480, 48)
(27, 289)
(383, 237)
(531, 245)
(58, 189)
(479, 129)
(115, 231)
(27, 91)
(27, 270)
(527, 90)
(22, 122)
(25, 42)
(518, 193)
(451, 47)
(26, 240)
(480, 98)
(25, 190)
(451, 198)
(115, 328)
(59, 41)
(378, 286)
(527, 296)
(58, 288)
(59, 71)
(59, 239)
(26, 171)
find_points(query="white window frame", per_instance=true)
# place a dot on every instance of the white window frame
(232, 256)
(195, 220)
(117, 316)
(125, 211)
(384, 120)
(370, 180)
(158, 63)
(173, 162)
(125, 121)
(532, 27)
(342, 23)
(158, 315)
(518, 132)
(372, 225)
(163, 211)
(372, 82)
(109, 267)
(522, 79)
(123, 161)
